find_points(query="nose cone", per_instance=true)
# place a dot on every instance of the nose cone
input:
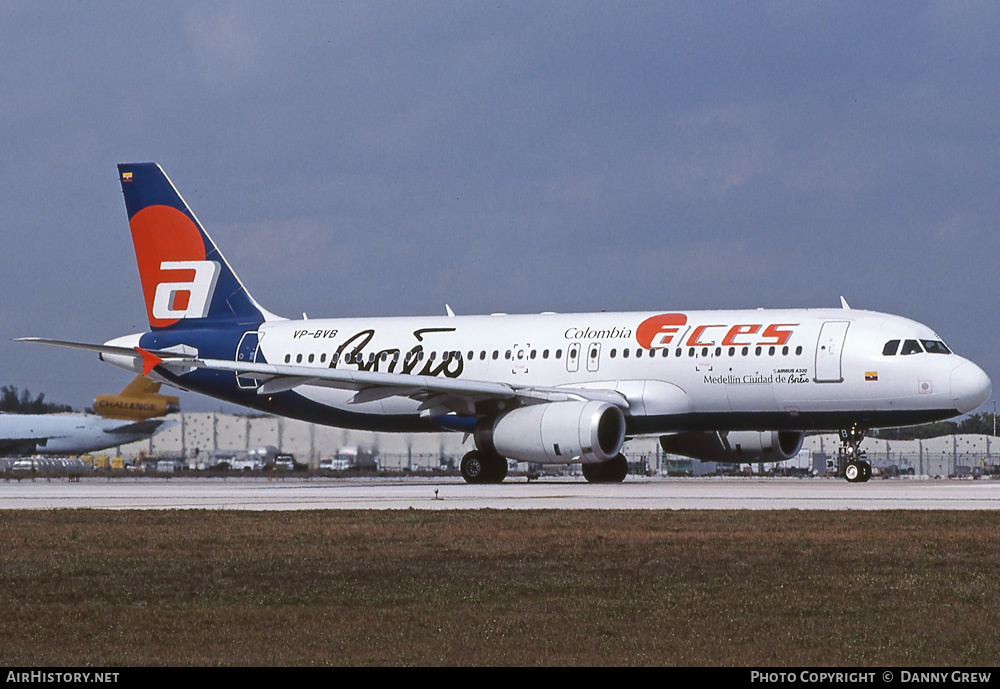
(970, 386)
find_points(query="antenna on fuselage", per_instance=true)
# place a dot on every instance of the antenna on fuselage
(844, 304)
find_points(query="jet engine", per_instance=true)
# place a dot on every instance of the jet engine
(556, 433)
(735, 446)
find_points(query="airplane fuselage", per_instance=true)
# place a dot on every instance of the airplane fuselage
(68, 434)
(692, 370)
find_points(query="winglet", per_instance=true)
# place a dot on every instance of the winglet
(149, 360)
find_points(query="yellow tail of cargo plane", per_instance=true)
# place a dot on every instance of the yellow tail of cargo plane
(138, 401)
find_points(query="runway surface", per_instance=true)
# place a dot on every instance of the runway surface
(516, 494)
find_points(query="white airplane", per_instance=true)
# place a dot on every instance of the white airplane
(121, 419)
(736, 386)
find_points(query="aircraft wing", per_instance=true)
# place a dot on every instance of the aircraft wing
(433, 392)
(149, 427)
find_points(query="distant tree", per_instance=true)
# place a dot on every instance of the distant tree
(926, 430)
(20, 402)
(981, 424)
(977, 424)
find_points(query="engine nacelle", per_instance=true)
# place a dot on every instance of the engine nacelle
(556, 433)
(735, 447)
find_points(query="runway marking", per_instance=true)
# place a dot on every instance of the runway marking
(454, 494)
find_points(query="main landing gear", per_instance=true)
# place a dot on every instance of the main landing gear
(483, 467)
(487, 467)
(852, 458)
(611, 471)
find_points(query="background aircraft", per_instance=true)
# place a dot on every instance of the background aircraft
(120, 419)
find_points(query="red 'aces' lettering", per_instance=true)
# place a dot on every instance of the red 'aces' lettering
(695, 339)
(658, 331)
(730, 339)
(780, 336)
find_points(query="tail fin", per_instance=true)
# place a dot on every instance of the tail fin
(185, 278)
(140, 385)
(139, 400)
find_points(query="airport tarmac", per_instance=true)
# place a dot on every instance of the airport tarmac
(514, 494)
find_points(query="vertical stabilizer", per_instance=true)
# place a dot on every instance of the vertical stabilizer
(186, 281)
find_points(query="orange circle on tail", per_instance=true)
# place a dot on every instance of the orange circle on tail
(162, 233)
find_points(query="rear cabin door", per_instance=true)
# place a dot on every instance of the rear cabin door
(246, 352)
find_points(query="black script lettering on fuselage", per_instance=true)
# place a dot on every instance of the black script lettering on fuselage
(353, 353)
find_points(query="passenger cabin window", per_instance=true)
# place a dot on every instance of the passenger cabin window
(890, 348)
(911, 347)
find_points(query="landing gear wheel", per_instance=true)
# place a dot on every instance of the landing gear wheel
(479, 467)
(611, 471)
(858, 471)
(498, 469)
(866, 471)
(474, 469)
(853, 472)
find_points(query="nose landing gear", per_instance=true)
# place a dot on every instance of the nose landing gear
(851, 457)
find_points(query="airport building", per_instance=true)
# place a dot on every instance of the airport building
(198, 440)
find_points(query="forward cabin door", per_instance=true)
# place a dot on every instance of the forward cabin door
(829, 350)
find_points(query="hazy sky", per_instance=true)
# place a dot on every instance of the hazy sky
(386, 158)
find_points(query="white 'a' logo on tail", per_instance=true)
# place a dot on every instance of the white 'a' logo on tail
(169, 301)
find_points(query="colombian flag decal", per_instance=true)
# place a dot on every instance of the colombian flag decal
(126, 176)
(871, 375)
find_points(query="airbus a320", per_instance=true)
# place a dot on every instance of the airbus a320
(731, 386)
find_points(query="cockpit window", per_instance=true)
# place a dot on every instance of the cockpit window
(911, 347)
(935, 347)
(890, 348)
